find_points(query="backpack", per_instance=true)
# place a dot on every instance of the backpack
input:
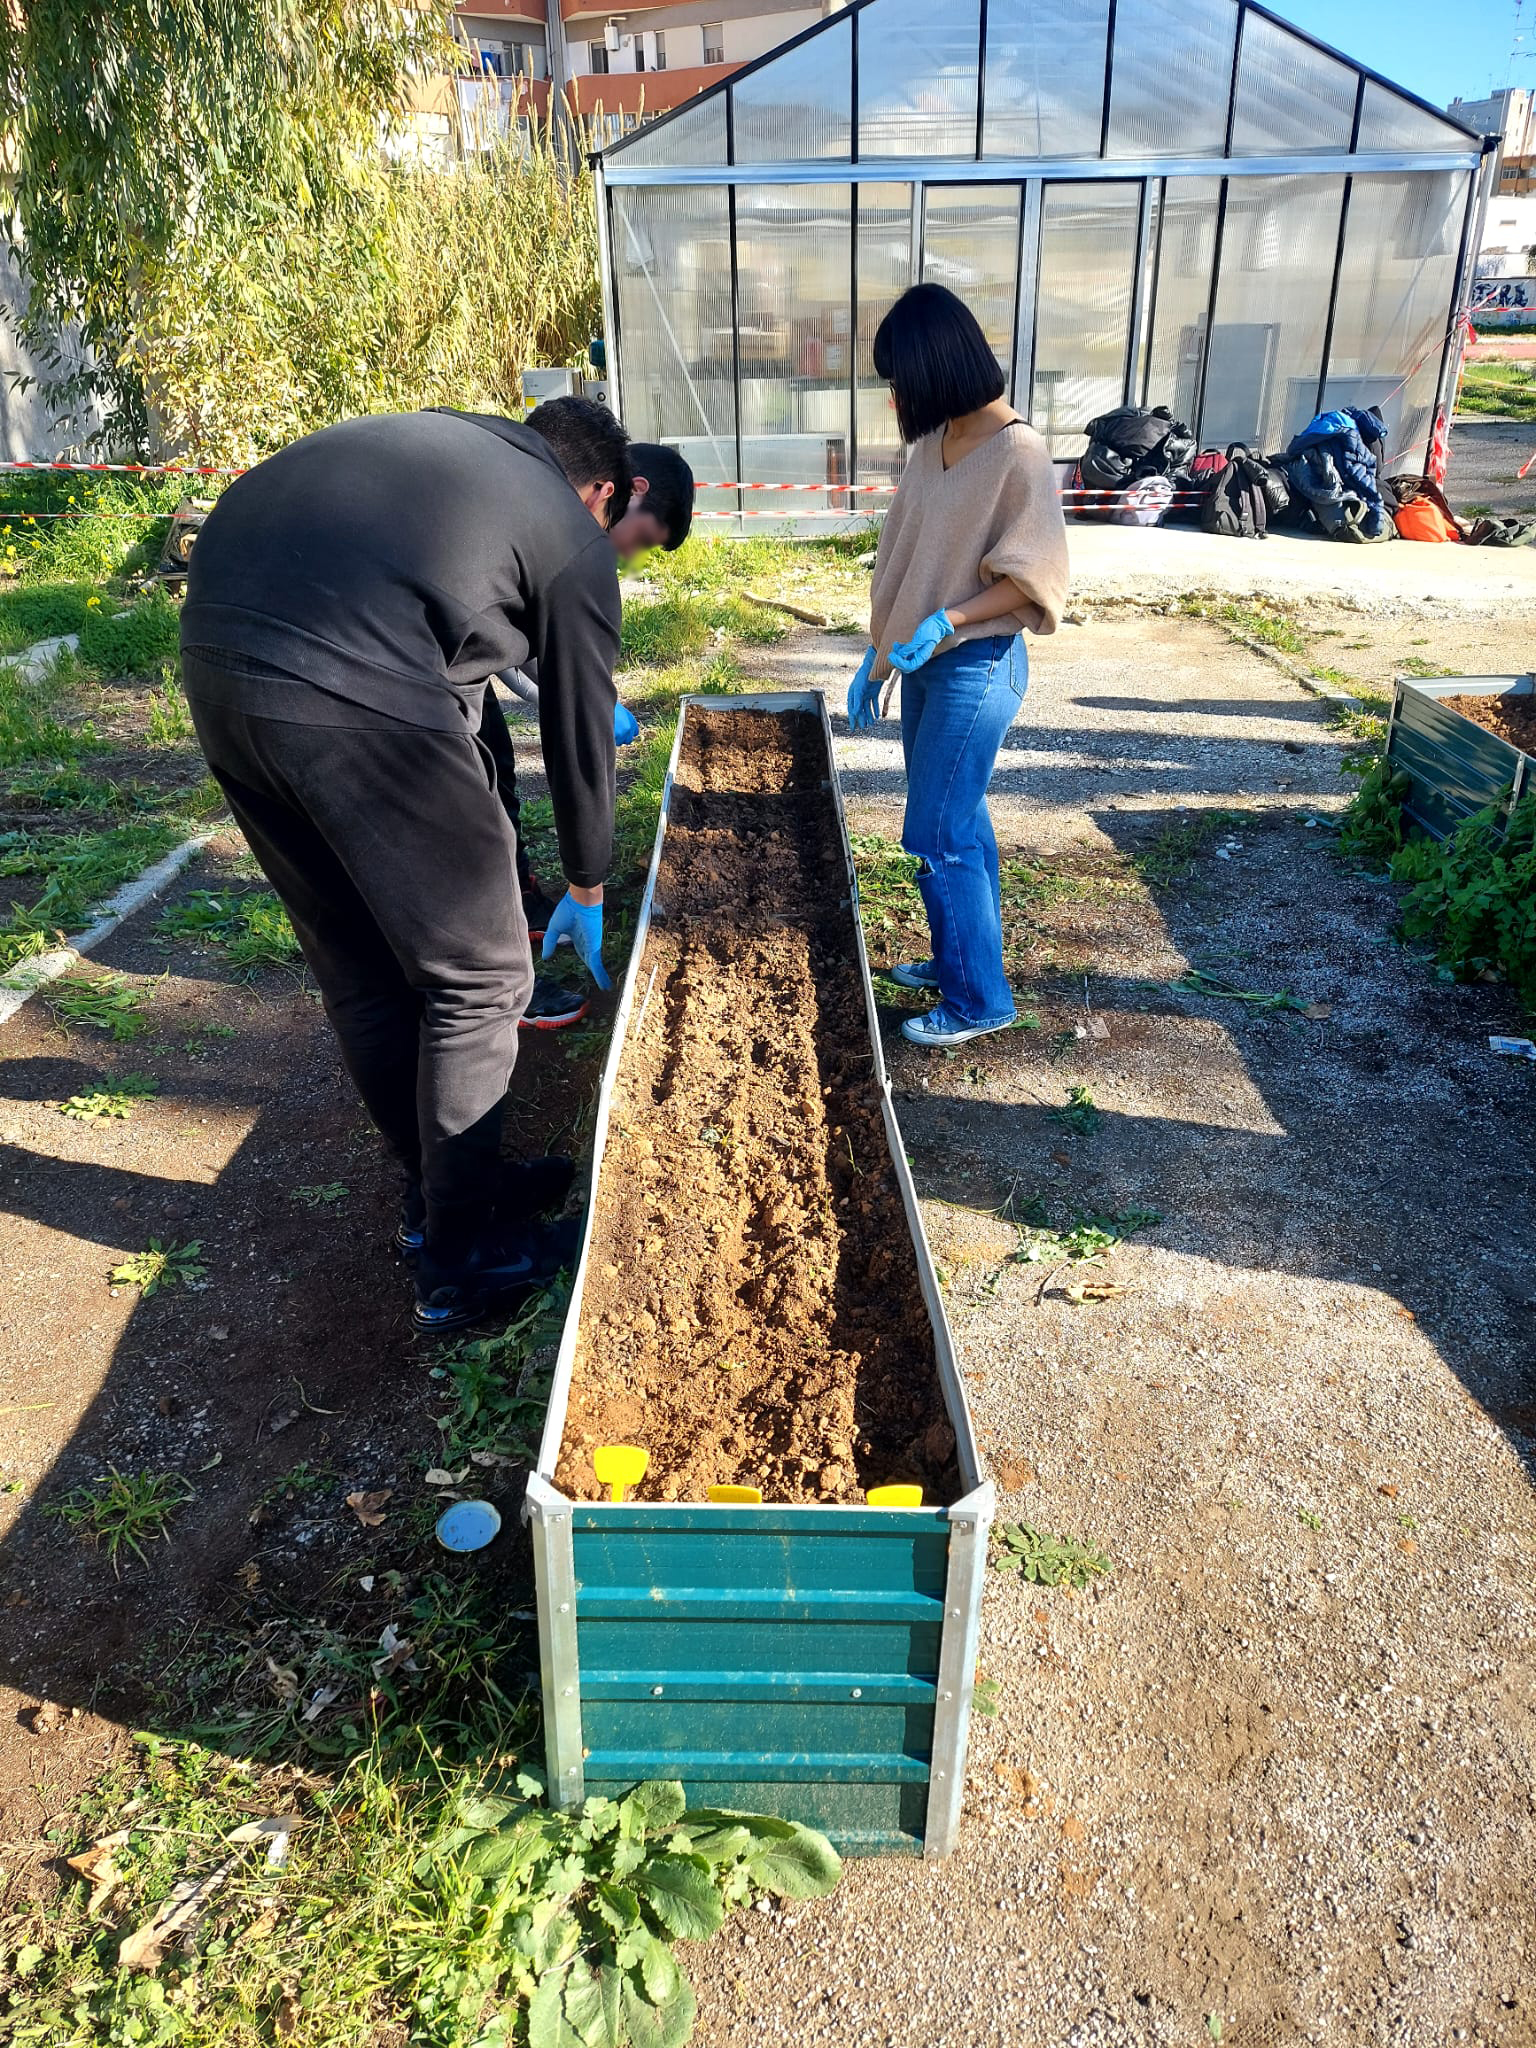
(1235, 505)
(1422, 512)
(1104, 468)
(1492, 532)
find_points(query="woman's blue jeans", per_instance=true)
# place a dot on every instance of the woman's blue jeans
(954, 713)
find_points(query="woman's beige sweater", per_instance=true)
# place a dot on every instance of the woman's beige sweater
(950, 533)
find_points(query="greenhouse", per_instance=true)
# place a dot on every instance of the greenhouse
(1175, 202)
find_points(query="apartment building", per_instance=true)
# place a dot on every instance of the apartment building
(616, 65)
(1511, 115)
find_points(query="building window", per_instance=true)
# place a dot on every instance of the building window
(597, 58)
(714, 42)
(661, 49)
(639, 53)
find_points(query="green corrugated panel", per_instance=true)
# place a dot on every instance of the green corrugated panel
(855, 1644)
(1454, 765)
(862, 1818)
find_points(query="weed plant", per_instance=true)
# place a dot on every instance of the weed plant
(123, 1511)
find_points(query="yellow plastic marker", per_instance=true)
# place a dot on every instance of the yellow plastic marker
(895, 1496)
(618, 1466)
(753, 1495)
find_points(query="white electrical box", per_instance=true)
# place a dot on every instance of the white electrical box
(541, 384)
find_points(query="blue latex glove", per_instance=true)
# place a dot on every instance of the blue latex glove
(582, 924)
(864, 695)
(626, 726)
(914, 652)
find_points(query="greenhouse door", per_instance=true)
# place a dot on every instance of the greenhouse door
(969, 240)
(1077, 363)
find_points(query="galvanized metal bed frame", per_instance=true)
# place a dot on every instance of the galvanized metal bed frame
(815, 1661)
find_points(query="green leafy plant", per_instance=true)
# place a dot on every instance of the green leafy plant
(170, 722)
(1197, 983)
(250, 925)
(101, 1105)
(496, 1387)
(325, 1196)
(1372, 827)
(123, 1510)
(1172, 852)
(1047, 1560)
(108, 1001)
(1086, 1240)
(161, 1265)
(1473, 896)
(40, 611)
(133, 642)
(590, 1903)
(1081, 1113)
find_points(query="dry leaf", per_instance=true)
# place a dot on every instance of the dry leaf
(1389, 1491)
(366, 1582)
(264, 1924)
(1062, 1158)
(438, 1477)
(369, 1507)
(285, 1680)
(1097, 1028)
(286, 2018)
(1013, 1473)
(397, 1654)
(1406, 1543)
(249, 1575)
(175, 1920)
(1408, 1315)
(99, 1866)
(1317, 1011)
(1095, 1290)
(490, 1458)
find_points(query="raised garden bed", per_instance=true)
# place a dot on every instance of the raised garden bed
(755, 1305)
(1457, 764)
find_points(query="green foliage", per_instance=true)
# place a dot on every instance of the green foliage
(1085, 1240)
(109, 1001)
(29, 730)
(1171, 854)
(1047, 1560)
(96, 528)
(662, 630)
(1506, 390)
(134, 642)
(170, 722)
(1474, 896)
(1372, 827)
(639, 804)
(249, 925)
(1080, 1116)
(1268, 623)
(123, 1510)
(75, 871)
(39, 611)
(496, 1387)
(325, 1195)
(162, 1265)
(102, 1105)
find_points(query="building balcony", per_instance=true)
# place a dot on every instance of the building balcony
(649, 92)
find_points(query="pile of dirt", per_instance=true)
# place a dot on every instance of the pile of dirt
(1512, 718)
(752, 1311)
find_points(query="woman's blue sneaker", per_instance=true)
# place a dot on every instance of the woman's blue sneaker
(915, 974)
(939, 1028)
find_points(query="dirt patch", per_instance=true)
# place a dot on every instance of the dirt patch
(779, 1337)
(1512, 718)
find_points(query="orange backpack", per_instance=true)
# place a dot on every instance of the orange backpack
(1422, 519)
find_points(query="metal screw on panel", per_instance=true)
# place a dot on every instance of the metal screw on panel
(938, 1774)
(857, 1693)
(571, 1689)
(565, 1607)
(655, 1692)
(954, 1611)
(573, 1769)
(964, 1528)
(947, 1695)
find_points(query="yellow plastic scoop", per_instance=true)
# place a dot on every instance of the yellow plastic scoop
(618, 1466)
(894, 1496)
(752, 1495)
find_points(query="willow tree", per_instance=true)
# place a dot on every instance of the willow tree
(152, 141)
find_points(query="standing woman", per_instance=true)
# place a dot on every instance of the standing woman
(973, 555)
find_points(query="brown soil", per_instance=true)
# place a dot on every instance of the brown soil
(1512, 718)
(779, 1337)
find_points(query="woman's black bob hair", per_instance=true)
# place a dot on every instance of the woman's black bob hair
(931, 351)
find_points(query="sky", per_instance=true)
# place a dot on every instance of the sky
(1437, 50)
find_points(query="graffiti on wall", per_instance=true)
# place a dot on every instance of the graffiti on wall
(1504, 301)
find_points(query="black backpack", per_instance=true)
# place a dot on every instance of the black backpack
(1493, 532)
(1235, 502)
(1148, 439)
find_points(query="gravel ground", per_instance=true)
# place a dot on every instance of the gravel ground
(1272, 1780)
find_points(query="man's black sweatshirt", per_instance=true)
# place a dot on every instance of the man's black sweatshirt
(397, 562)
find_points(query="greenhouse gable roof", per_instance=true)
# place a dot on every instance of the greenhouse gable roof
(995, 83)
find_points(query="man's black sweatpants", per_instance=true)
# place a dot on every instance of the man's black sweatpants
(394, 857)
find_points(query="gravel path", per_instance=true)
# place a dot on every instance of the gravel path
(1272, 1781)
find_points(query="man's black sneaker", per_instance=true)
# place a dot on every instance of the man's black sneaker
(498, 1272)
(553, 1006)
(530, 1188)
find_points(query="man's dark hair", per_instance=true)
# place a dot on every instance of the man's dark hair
(931, 351)
(589, 445)
(670, 497)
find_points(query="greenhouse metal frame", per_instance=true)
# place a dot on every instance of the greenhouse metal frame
(1180, 202)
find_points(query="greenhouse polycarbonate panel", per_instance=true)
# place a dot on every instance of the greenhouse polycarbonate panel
(794, 271)
(800, 106)
(1181, 303)
(1083, 307)
(1394, 304)
(971, 244)
(917, 78)
(1276, 275)
(1045, 77)
(1388, 121)
(671, 254)
(1172, 77)
(1291, 97)
(695, 135)
(885, 271)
